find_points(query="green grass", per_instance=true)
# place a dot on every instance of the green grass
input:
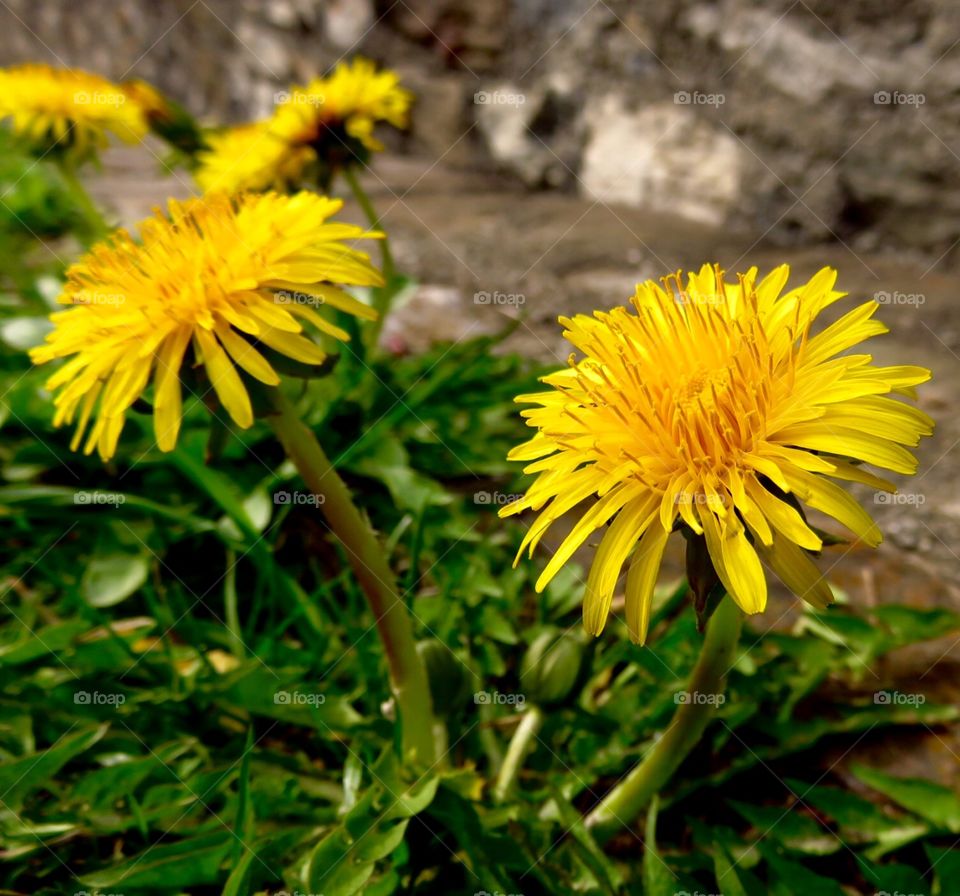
(194, 699)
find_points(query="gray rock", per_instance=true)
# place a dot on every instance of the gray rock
(663, 157)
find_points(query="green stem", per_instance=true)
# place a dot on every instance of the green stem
(627, 800)
(408, 677)
(383, 294)
(231, 610)
(96, 225)
(520, 744)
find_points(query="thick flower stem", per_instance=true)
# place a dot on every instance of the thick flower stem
(628, 799)
(520, 744)
(408, 677)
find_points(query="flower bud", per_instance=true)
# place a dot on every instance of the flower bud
(450, 680)
(551, 666)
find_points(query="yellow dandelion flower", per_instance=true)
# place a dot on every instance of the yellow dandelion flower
(313, 131)
(714, 408)
(204, 279)
(67, 110)
(251, 157)
(351, 100)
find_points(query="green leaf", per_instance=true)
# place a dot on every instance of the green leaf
(111, 578)
(345, 859)
(790, 828)
(20, 777)
(658, 879)
(791, 878)
(387, 461)
(728, 881)
(284, 694)
(893, 879)
(859, 820)
(192, 862)
(46, 641)
(935, 803)
(601, 868)
(238, 884)
(946, 867)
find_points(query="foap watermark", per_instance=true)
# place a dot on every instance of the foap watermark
(496, 499)
(99, 98)
(698, 698)
(283, 297)
(900, 499)
(98, 498)
(298, 698)
(498, 698)
(308, 498)
(96, 893)
(90, 297)
(701, 500)
(698, 98)
(298, 98)
(98, 698)
(695, 893)
(496, 297)
(498, 98)
(899, 298)
(495, 893)
(898, 698)
(898, 98)
(712, 299)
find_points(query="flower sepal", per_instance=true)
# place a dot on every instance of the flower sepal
(702, 578)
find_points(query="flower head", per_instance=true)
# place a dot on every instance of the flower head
(251, 157)
(203, 280)
(314, 130)
(713, 408)
(66, 110)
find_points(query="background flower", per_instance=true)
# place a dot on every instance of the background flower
(68, 110)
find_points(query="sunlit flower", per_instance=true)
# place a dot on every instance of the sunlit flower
(314, 131)
(66, 110)
(203, 287)
(713, 407)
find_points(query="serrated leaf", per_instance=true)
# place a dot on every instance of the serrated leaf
(937, 804)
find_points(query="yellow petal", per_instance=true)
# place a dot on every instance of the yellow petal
(225, 379)
(641, 579)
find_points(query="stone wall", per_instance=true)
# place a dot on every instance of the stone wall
(797, 119)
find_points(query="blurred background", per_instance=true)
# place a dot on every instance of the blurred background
(800, 121)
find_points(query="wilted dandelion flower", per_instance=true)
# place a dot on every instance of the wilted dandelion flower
(313, 131)
(202, 281)
(712, 407)
(66, 110)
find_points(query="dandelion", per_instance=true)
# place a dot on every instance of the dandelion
(713, 408)
(251, 157)
(198, 289)
(314, 131)
(70, 112)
